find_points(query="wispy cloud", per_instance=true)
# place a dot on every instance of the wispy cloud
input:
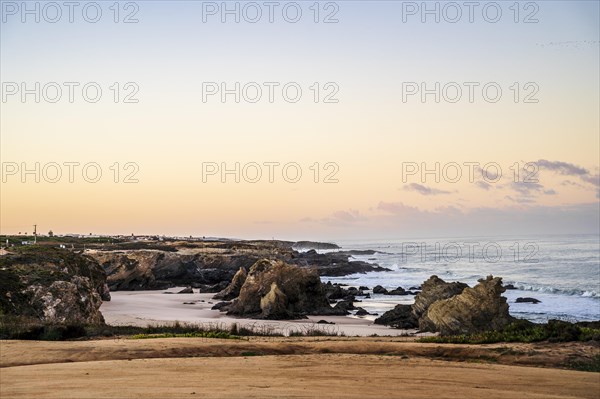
(424, 190)
(569, 169)
(563, 168)
(483, 185)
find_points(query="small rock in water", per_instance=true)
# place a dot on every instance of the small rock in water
(397, 291)
(187, 290)
(379, 290)
(363, 288)
(527, 300)
(510, 287)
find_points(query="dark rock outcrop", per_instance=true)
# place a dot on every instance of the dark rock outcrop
(399, 291)
(276, 290)
(379, 290)
(333, 264)
(222, 306)
(304, 245)
(361, 312)
(334, 291)
(401, 316)
(187, 290)
(205, 265)
(527, 300)
(54, 286)
(474, 310)
(233, 289)
(150, 270)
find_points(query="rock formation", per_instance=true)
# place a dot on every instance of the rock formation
(152, 269)
(233, 289)
(333, 264)
(274, 304)
(276, 290)
(211, 266)
(476, 309)
(452, 308)
(54, 286)
(402, 316)
(432, 290)
(527, 300)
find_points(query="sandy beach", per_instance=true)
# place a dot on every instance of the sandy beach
(142, 308)
(289, 368)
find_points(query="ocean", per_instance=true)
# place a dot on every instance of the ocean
(563, 272)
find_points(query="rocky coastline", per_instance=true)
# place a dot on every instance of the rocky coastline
(269, 280)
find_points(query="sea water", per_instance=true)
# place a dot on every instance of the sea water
(563, 272)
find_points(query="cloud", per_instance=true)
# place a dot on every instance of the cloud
(397, 208)
(572, 183)
(396, 219)
(527, 189)
(483, 185)
(346, 216)
(424, 190)
(569, 169)
(520, 200)
(593, 180)
(563, 168)
(337, 218)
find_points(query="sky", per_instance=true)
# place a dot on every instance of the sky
(300, 120)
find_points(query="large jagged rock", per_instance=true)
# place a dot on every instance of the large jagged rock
(233, 289)
(433, 290)
(54, 286)
(408, 316)
(276, 290)
(476, 309)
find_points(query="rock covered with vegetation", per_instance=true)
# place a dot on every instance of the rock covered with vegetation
(53, 286)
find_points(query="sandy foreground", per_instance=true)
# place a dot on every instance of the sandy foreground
(356, 365)
(282, 367)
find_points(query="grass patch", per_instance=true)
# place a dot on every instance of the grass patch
(526, 332)
(248, 354)
(198, 334)
(592, 365)
(29, 328)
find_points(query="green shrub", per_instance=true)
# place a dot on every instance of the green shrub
(524, 331)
